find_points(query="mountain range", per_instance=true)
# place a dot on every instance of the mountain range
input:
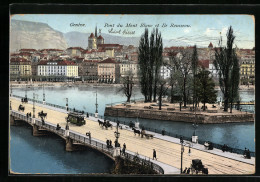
(35, 35)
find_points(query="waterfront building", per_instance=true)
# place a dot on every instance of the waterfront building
(20, 68)
(108, 71)
(57, 69)
(247, 70)
(88, 70)
(128, 68)
(165, 72)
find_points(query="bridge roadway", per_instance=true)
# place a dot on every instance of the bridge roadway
(167, 148)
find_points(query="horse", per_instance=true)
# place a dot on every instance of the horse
(136, 131)
(21, 108)
(100, 123)
(107, 124)
(42, 114)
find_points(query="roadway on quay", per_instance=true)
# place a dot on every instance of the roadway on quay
(167, 151)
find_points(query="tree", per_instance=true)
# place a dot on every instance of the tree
(143, 61)
(194, 62)
(225, 63)
(234, 86)
(205, 88)
(161, 90)
(127, 86)
(182, 63)
(150, 61)
(158, 61)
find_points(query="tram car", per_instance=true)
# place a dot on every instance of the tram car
(76, 118)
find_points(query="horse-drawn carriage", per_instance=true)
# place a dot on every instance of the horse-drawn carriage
(76, 118)
(42, 114)
(197, 166)
(208, 145)
(24, 100)
(21, 108)
(105, 124)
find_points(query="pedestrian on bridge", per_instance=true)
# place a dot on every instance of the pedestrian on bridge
(107, 143)
(110, 143)
(154, 154)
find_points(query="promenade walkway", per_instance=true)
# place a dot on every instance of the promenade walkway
(168, 148)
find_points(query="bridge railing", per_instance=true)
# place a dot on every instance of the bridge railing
(167, 133)
(47, 125)
(91, 142)
(100, 145)
(124, 102)
(144, 162)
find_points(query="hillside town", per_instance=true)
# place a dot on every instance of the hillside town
(107, 63)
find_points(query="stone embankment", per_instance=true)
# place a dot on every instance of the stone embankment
(186, 115)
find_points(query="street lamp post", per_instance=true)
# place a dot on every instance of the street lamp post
(26, 91)
(67, 104)
(96, 112)
(33, 105)
(43, 98)
(182, 150)
(11, 91)
(194, 136)
(117, 134)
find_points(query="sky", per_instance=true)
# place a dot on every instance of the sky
(197, 29)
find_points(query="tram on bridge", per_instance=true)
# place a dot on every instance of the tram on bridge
(76, 118)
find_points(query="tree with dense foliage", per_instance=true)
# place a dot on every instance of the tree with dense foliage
(234, 81)
(150, 61)
(226, 63)
(157, 50)
(143, 61)
(194, 62)
(205, 88)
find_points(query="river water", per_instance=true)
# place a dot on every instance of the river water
(49, 159)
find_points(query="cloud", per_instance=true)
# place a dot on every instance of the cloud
(186, 30)
(224, 30)
(213, 32)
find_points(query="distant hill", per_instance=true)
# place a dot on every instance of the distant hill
(26, 34)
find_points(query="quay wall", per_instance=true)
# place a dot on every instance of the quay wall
(177, 116)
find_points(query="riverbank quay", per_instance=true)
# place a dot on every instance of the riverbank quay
(80, 83)
(172, 112)
(168, 153)
(61, 84)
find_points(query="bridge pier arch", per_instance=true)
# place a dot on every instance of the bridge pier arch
(116, 152)
(12, 120)
(69, 144)
(37, 131)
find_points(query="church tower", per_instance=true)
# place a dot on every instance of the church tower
(96, 32)
(92, 42)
